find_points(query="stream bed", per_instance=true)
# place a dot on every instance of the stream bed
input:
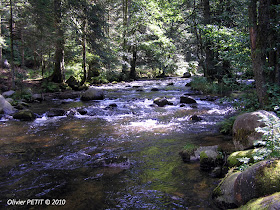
(121, 154)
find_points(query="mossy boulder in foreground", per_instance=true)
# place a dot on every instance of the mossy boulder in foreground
(258, 180)
(269, 203)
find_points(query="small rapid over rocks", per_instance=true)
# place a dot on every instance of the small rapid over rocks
(117, 152)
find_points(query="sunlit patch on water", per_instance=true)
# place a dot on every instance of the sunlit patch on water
(150, 125)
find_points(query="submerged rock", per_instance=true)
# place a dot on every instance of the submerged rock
(82, 111)
(56, 112)
(244, 133)
(25, 115)
(115, 161)
(92, 94)
(195, 118)
(186, 75)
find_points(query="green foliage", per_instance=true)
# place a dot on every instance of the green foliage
(23, 93)
(208, 87)
(50, 87)
(190, 147)
(226, 125)
(230, 45)
(247, 101)
(273, 91)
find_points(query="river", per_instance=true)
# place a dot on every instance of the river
(122, 154)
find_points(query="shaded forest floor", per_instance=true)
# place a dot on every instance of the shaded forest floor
(6, 80)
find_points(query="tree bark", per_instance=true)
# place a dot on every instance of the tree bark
(133, 63)
(258, 28)
(125, 22)
(84, 54)
(12, 44)
(57, 75)
(209, 71)
(1, 49)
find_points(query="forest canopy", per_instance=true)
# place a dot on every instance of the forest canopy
(108, 40)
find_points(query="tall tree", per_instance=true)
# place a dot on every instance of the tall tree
(58, 74)
(259, 21)
(12, 43)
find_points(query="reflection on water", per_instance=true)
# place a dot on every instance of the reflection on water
(115, 156)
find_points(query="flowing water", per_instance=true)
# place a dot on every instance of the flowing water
(123, 154)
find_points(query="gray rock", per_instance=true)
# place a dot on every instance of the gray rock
(187, 100)
(24, 115)
(73, 83)
(5, 106)
(8, 94)
(93, 94)
(244, 133)
(161, 102)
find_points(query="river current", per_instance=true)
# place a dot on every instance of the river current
(121, 154)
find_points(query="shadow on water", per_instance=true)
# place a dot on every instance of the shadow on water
(115, 157)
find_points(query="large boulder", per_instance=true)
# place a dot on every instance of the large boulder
(24, 115)
(161, 102)
(5, 106)
(73, 83)
(258, 180)
(244, 133)
(187, 100)
(92, 94)
(268, 202)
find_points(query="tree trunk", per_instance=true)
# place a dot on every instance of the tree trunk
(57, 75)
(274, 40)
(22, 49)
(258, 29)
(125, 14)
(209, 71)
(133, 63)
(1, 50)
(12, 44)
(84, 53)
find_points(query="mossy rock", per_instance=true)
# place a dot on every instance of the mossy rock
(223, 194)
(260, 179)
(24, 115)
(238, 188)
(187, 152)
(210, 159)
(264, 203)
(233, 158)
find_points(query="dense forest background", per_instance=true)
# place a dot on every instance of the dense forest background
(103, 41)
